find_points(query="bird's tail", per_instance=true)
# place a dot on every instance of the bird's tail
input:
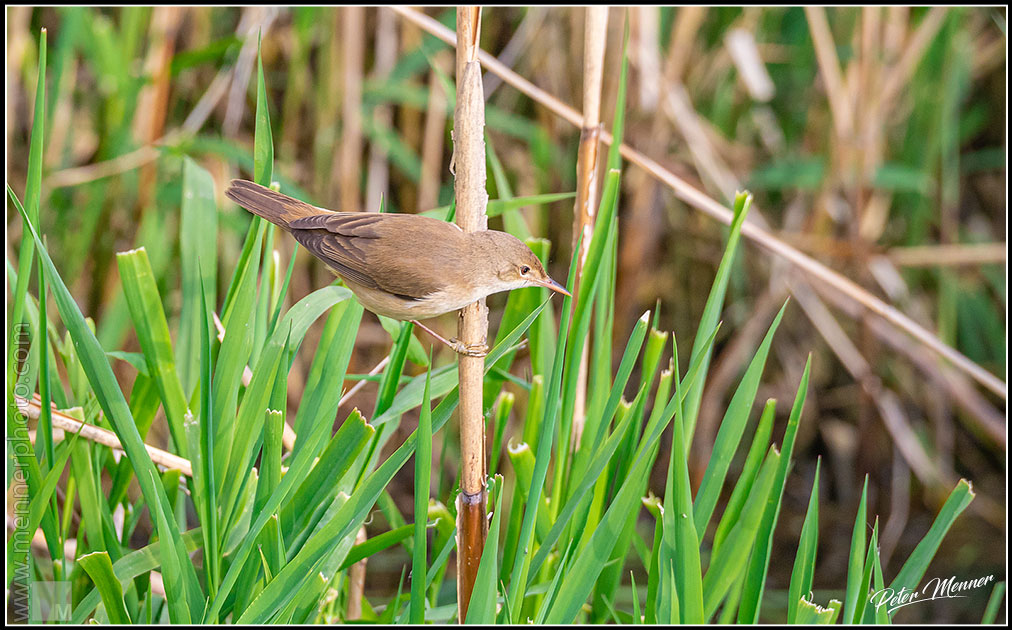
(279, 209)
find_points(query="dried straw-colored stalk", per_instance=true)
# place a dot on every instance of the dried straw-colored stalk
(472, 330)
(900, 74)
(646, 45)
(434, 136)
(829, 68)
(595, 36)
(886, 401)
(152, 102)
(253, 20)
(356, 581)
(378, 175)
(349, 162)
(949, 255)
(69, 425)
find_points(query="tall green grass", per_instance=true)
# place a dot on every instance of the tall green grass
(261, 535)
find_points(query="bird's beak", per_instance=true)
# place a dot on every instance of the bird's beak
(548, 283)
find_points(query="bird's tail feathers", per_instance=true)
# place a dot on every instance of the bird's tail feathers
(277, 208)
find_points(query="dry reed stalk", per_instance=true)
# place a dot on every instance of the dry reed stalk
(152, 102)
(646, 23)
(102, 436)
(293, 103)
(328, 110)
(645, 220)
(378, 174)
(349, 161)
(900, 74)
(595, 35)
(981, 416)
(254, 19)
(829, 69)
(687, 23)
(713, 170)
(949, 255)
(886, 400)
(356, 581)
(472, 329)
(434, 136)
(410, 119)
(517, 45)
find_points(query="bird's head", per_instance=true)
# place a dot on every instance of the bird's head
(513, 264)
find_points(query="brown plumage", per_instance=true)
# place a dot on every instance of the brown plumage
(404, 266)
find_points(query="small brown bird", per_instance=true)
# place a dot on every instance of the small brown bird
(404, 266)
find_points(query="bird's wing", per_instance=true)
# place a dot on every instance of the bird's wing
(371, 249)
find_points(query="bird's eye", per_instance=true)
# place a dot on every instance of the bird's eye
(524, 270)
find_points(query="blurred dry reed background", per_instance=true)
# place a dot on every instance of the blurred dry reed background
(872, 138)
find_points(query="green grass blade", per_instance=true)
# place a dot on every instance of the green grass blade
(546, 434)
(678, 524)
(152, 329)
(726, 567)
(351, 514)
(99, 568)
(993, 603)
(618, 122)
(423, 471)
(590, 560)
(915, 566)
(758, 562)
(804, 561)
(809, 613)
(40, 501)
(110, 398)
(712, 309)
(33, 194)
(853, 603)
(754, 459)
(482, 607)
(263, 143)
(198, 262)
(129, 567)
(358, 433)
(27, 461)
(601, 459)
(732, 427)
(273, 363)
(597, 424)
(330, 365)
(861, 611)
(235, 350)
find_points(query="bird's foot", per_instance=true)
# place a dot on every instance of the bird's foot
(477, 350)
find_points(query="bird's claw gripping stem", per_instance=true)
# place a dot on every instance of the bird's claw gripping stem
(477, 350)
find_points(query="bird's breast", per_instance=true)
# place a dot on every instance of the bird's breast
(406, 308)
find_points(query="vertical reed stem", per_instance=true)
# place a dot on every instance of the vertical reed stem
(350, 163)
(378, 178)
(471, 200)
(594, 37)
